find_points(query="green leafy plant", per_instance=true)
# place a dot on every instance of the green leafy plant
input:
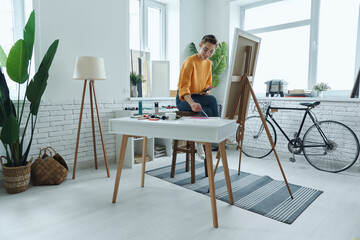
(321, 87)
(218, 61)
(135, 78)
(18, 68)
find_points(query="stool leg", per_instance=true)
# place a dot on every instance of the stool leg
(192, 148)
(187, 156)
(172, 173)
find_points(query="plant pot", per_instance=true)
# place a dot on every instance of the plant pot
(320, 94)
(16, 179)
(134, 91)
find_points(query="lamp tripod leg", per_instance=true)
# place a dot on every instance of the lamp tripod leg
(101, 132)
(79, 127)
(92, 123)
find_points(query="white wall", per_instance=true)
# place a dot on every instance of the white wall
(85, 28)
(192, 24)
(173, 41)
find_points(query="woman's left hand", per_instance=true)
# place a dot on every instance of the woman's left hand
(205, 93)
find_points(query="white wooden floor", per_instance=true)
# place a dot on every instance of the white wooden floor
(82, 208)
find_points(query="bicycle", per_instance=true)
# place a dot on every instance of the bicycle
(328, 145)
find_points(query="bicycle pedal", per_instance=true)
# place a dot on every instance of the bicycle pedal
(292, 159)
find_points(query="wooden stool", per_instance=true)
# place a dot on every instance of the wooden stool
(189, 150)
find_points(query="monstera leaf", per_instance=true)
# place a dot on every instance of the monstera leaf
(218, 62)
(29, 34)
(38, 84)
(17, 62)
(3, 57)
(10, 131)
(5, 99)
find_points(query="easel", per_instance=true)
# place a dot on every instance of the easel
(242, 99)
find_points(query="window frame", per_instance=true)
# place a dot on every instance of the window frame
(313, 22)
(19, 14)
(144, 4)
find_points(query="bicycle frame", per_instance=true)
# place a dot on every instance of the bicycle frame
(297, 137)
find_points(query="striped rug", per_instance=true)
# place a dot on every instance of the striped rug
(259, 194)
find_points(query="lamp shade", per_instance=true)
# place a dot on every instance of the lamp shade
(87, 67)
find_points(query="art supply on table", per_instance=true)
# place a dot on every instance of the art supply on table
(140, 108)
(171, 116)
(204, 113)
(156, 108)
(199, 117)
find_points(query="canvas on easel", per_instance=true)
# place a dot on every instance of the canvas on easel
(241, 40)
(355, 90)
(239, 88)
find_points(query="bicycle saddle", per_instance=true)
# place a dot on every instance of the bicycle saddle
(311, 104)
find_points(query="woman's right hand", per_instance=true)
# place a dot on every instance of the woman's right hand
(196, 107)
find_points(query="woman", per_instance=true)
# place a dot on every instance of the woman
(195, 78)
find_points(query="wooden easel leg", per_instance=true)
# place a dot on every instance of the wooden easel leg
(79, 127)
(269, 135)
(241, 145)
(211, 183)
(120, 165)
(101, 132)
(92, 124)
(226, 171)
(143, 161)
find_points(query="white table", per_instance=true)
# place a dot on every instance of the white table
(206, 131)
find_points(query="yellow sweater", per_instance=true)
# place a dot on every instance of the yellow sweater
(195, 76)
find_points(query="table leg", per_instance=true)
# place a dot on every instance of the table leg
(211, 183)
(226, 171)
(143, 161)
(120, 165)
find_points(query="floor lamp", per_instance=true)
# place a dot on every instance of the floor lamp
(90, 69)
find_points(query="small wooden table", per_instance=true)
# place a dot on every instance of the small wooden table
(205, 131)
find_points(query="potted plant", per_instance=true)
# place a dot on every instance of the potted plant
(320, 88)
(11, 115)
(135, 79)
(218, 61)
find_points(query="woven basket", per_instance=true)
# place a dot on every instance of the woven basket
(49, 172)
(16, 179)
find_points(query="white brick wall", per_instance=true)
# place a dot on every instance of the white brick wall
(57, 126)
(346, 112)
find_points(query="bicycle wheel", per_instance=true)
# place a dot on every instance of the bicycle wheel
(256, 143)
(339, 154)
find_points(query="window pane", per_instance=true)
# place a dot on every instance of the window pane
(154, 33)
(277, 13)
(6, 25)
(337, 43)
(283, 55)
(134, 24)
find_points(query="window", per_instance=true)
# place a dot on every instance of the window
(147, 38)
(305, 42)
(337, 43)
(147, 28)
(13, 14)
